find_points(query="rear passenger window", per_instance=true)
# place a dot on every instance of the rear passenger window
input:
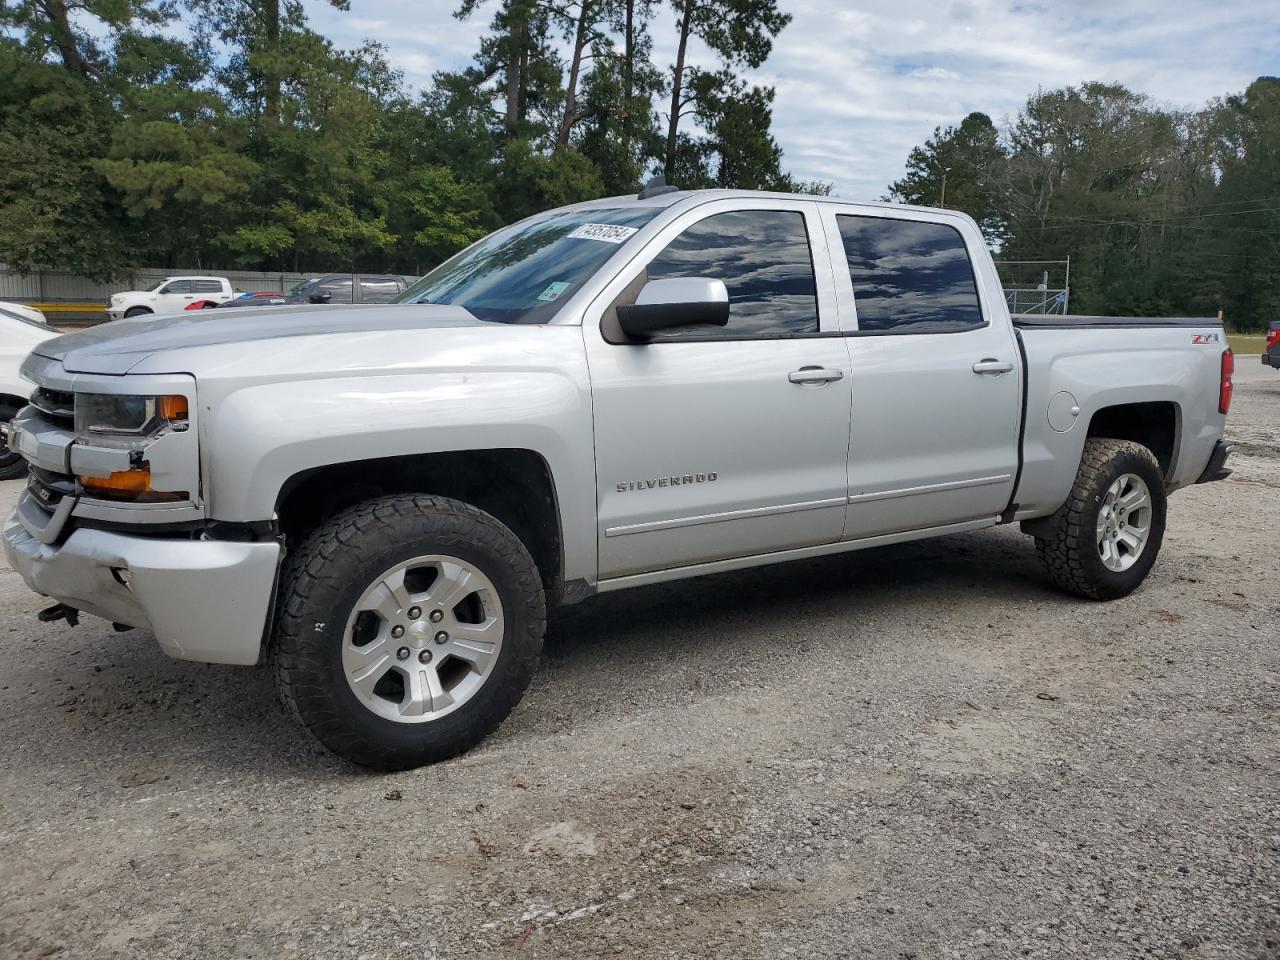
(378, 289)
(909, 277)
(208, 286)
(763, 258)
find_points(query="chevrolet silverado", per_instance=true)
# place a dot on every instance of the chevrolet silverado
(383, 503)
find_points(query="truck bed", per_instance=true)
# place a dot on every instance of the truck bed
(1054, 321)
(1169, 367)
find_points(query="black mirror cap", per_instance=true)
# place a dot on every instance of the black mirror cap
(320, 297)
(641, 321)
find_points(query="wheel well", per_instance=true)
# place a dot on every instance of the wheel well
(9, 400)
(1154, 425)
(515, 486)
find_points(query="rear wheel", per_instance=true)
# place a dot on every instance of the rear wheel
(1108, 533)
(408, 629)
(12, 465)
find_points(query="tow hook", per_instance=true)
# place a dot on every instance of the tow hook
(59, 611)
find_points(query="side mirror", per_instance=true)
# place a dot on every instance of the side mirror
(675, 302)
(320, 297)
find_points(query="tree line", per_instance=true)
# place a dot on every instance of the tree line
(229, 133)
(1162, 212)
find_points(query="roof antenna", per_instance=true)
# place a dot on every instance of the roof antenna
(656, 188)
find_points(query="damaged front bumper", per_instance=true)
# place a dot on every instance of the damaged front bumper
(205, 600)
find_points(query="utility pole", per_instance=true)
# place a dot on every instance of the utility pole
(942, 194)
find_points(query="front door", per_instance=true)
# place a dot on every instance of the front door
(174, 296)
(718, 442)
(936, 384)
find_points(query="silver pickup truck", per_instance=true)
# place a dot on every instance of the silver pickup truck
(385, 502)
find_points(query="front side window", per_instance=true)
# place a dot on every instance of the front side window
(524, 273)
(909, 276)
(763, 258)
(337, 289)
(178, 286)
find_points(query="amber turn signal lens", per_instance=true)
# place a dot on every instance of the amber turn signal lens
(129, 484)
(122, 481)
(171, 408)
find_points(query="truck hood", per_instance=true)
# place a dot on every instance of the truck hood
(119, 346)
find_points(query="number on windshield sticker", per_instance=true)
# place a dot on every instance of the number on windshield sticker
(607, 232)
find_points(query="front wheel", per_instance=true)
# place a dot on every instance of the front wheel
(136, 312)
(1105, 538)
(408, 628)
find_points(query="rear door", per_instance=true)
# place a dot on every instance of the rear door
(211, 290)
(718, 442)
(378, 290)
(936, 383)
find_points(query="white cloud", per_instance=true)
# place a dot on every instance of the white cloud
(859, 85)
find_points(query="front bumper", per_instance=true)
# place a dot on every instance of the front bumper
(205, 600)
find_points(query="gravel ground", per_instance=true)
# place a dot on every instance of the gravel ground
(919, 751)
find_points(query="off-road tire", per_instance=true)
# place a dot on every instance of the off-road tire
(137, 312)
(12, 465)
(323, 579)
(1070, 557)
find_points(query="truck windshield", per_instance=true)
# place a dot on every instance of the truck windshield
(523, 273)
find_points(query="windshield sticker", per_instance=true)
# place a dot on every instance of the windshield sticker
(608, 232)
(554, 290)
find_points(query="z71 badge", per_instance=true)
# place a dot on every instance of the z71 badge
(1206, 338)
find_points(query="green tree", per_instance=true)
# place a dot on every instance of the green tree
(962, 168)
(176, 155)
(519, 51)
(55, 208)
(739, 32)
(1243, 239)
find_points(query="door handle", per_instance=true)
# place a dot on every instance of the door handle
(815, 375)
(990, 365)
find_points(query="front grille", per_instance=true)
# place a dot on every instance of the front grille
(57, 406)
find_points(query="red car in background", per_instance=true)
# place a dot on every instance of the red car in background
(252, 298)
(1271, 355)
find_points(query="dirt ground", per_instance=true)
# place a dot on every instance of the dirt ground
(914, 752)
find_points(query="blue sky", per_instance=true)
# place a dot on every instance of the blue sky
(860, 83)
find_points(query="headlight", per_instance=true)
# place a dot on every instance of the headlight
(133, 423)
(128, 415)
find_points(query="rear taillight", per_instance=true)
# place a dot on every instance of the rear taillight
(1224, 384)
(1273, 338)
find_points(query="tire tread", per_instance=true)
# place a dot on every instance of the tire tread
(1062, 555)
(297, 662)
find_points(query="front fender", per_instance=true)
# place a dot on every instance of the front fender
(264, 434)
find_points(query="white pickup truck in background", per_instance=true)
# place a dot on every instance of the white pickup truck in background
(384, 502)
(169, 296)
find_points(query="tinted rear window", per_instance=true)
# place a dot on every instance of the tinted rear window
(909, 276)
